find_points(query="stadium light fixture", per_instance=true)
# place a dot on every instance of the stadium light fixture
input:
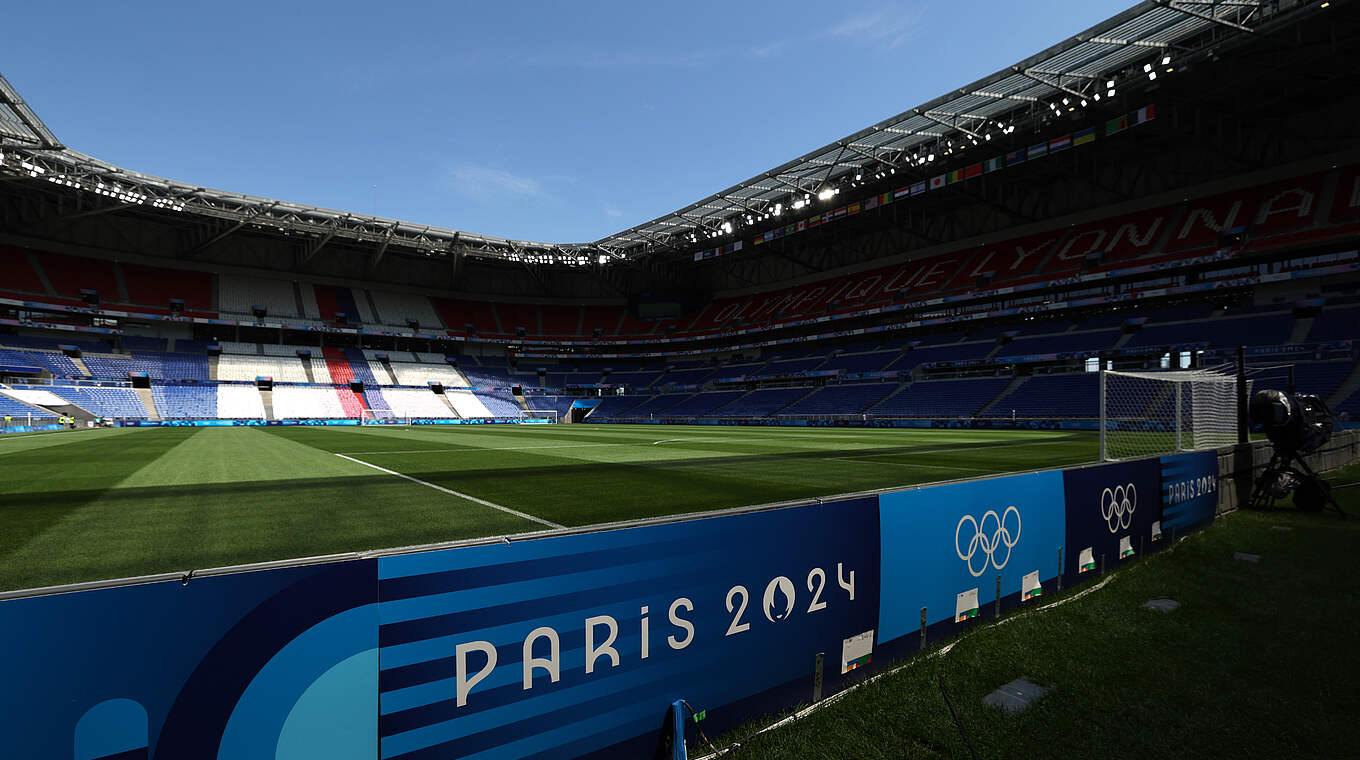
(603, 258)
(825, 194)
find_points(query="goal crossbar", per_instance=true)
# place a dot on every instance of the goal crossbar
(1147, 413)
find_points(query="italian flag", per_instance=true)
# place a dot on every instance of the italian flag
(966, 606)
(1031, 587)
(992, 164)
(1087, 560)
(859, 662)
(1126, 547)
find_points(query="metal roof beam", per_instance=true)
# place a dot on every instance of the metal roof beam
(1179, 5)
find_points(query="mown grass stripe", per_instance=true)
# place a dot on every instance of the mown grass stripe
(452, 492)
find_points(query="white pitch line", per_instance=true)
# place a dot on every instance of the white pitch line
(452, 492)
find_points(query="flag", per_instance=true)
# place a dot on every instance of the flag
(871, 203)
(853, 208)
(1015, 157)
(1059, 143)
(1086, 561)
(956, 176)
(1038, 151)
(937, 182)
(803, 225)
(815, 220)
(992, 164)
(838, 212)
(1084, 136)
(1116, 125)
(759, 239)
(1146, 113)
(918, 188)
(966, 606)
(972, 171)
(1125, 547)
(1031, 587)
(885, 199)
(1157, 530)
(789, 229)
(901, 191)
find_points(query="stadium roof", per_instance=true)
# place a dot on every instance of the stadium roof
(1066, 76)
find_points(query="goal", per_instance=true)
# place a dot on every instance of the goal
(382, 417)
(1145, 414)
(541, 414)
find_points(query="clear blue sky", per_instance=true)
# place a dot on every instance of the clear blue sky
(548, 121)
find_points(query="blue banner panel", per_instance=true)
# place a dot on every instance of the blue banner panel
(1113, 511)
(278, 664)
(946, 545)
(1189, 490)
(559, 647)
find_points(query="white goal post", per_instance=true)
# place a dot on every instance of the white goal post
(542, 414)
(1145, 414)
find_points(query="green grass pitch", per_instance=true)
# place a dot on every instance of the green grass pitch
(99, 504)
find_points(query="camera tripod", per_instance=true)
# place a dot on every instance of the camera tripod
(1311, 493)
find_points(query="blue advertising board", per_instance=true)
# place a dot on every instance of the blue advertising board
(277, 664)
(566, 646)
(1189, 484)
(1113, 514)
(943, 542)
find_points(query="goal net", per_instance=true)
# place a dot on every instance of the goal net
(381, 417)
(1145, 414)
(541, 414)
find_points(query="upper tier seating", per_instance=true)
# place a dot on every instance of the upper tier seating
(410, 373)
(70, 275)
(239, 295)
(156, 286)
(615, 406)
(19, 273)
(396, 308)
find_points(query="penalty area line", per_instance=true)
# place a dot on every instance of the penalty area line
(452, 492)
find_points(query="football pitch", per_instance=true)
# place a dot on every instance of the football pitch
(98, 504)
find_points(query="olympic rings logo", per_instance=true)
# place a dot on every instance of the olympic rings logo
(1117, 505)
(986, 541)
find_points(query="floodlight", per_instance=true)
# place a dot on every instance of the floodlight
(1166, 60)
(1110, 83)
(825, 193)
(1147, 67)
(1152, 75)
(603, 258)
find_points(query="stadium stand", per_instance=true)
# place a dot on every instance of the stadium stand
(840, 399)
(19, 273)
(239, 295)
(239, 402)
(156, 286)
(306, 402)
(412, 402)
(499, 403)
(941, 398)
(281, 369)
(761, 403)
(186, 402)
(69, 275)
(615, 406)
(1051, 396)
(115, 402)
(396, 308)
(21, 411)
